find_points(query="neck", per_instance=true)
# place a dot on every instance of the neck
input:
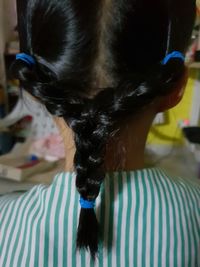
(124, 151)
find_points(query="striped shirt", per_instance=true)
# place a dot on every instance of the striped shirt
(147, 219)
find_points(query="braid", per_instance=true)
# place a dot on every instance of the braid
(90, 136)
(94, 127)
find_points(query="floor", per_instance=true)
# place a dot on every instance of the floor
(177, 161)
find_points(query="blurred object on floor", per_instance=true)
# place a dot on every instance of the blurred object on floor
(8, 186)
(21, 163)
(20, 167)
(192, 135)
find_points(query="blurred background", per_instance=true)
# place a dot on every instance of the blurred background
(31, 149)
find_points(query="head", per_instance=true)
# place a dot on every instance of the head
(98, 66)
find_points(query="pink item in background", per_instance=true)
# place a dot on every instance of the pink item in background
(50, 148)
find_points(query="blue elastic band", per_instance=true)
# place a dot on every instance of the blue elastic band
(26, 58)
(174, 54)
(85, 204)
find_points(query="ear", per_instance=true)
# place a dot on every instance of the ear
(173, 99)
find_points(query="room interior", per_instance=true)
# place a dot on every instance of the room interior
(24, 134)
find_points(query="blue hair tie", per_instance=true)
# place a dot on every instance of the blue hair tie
(174, 54)
(26, 58)
(85, 204)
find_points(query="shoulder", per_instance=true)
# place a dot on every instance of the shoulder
(157, 186)
(14, 201)
(190, 184)
(174, 191)
(163, 177)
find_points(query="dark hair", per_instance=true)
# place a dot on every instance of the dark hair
(96, 63)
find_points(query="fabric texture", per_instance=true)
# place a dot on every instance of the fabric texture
(147, 219)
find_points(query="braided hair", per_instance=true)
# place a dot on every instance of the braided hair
(74, 44)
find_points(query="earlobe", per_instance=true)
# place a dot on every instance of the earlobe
(174, 98)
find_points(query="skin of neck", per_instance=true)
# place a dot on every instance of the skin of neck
(124, 150)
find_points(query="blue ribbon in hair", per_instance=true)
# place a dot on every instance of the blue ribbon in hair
(85, 204)
(175, 54)
(26, 58)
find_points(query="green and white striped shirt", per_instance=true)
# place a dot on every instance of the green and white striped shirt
(147, 219)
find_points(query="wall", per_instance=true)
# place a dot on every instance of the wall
(8, 21)
(10, 18)
(2, 42)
